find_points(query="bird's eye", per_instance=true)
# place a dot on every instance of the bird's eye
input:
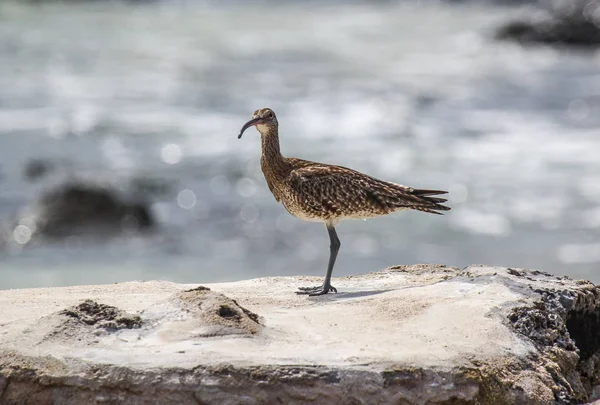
(270, 115)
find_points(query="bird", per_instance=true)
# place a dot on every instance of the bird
(328, 193)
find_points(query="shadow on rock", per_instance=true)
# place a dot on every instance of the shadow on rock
(358, 294)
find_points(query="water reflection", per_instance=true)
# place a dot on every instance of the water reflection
(186, 199)
(418, 95)
(171, 153)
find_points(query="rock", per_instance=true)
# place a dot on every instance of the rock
(80, 325)
(91, 313)
(563, 23)
(151, 186)
(205, 314)
(37, 168)
(426, 334)
(551, 31)
(75, 208)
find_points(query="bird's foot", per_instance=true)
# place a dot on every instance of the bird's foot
(318, 290)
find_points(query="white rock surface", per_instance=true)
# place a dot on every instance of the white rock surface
(407, 335)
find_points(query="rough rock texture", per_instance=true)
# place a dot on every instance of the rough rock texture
(205, 313)
(79, 324)
(408, 335)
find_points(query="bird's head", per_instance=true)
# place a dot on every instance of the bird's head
(263, 119)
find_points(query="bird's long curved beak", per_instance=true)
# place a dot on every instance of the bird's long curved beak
(249, 124)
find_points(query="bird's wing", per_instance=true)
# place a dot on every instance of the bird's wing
(342, 191)
(326, 189)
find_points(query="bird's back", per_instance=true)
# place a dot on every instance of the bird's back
(321, 192)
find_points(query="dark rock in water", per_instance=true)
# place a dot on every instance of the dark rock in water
(150, 186)
(573, 23)
(552, 31)
(75, 208)
(37, 168)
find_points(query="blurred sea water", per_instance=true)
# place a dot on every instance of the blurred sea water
(418, 94)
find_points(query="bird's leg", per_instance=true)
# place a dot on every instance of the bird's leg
(334, 247)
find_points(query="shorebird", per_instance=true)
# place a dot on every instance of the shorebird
(326, 193)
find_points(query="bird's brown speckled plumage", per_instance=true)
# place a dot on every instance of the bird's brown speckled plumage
(327, 193)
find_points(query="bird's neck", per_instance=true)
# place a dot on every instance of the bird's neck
(270, 147)
(273, 165)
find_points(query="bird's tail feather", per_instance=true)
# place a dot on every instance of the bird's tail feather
(435, 202)
(429, 192)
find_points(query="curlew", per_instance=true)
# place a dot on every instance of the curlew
(327, 193)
